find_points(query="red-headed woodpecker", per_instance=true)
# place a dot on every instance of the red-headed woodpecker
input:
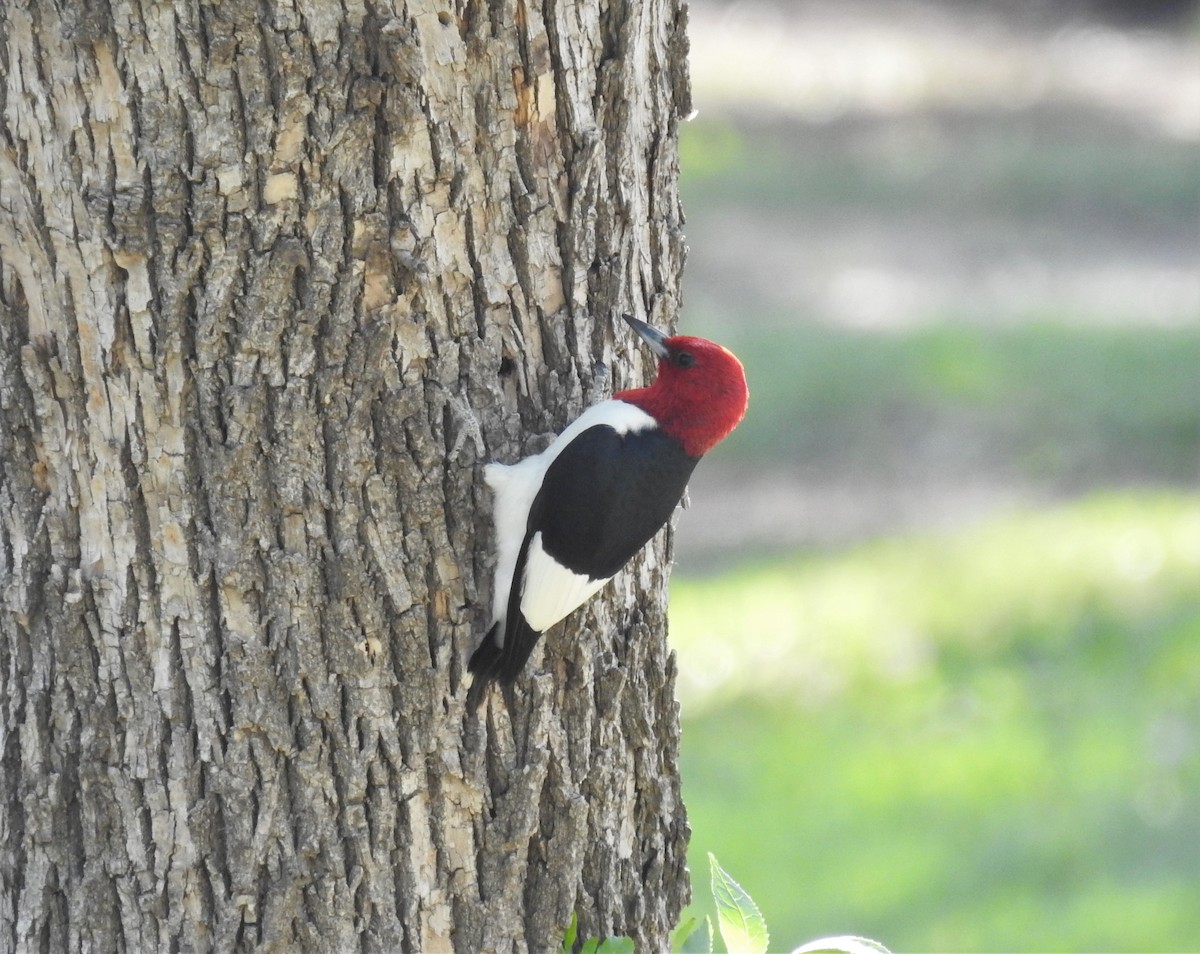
(569, 518)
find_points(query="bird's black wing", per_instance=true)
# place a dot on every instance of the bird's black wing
(606, 495)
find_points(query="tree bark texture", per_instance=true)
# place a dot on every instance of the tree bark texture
(276, 279)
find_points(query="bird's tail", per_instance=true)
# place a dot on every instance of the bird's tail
(495, 662)
(484, 663)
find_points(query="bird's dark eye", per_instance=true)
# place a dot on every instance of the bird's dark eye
(685, 359)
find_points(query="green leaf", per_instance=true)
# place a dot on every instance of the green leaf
(682, 932)
(616, 945)
(695, 942)
(842, 945)
(742, 926)
(594, 945)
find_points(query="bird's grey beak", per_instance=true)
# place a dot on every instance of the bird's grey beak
(652, 336)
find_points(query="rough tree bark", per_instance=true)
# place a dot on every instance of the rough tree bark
(276, 278)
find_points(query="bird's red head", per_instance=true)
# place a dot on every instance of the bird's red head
(700, 394)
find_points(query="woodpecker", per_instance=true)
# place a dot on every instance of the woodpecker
(567, 519)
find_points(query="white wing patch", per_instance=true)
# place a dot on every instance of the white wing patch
(551, 591)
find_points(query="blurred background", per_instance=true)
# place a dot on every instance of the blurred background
(937, 607)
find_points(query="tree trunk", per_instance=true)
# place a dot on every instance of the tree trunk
(277, 279)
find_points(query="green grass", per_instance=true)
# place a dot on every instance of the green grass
(987, 740)
(980, 741)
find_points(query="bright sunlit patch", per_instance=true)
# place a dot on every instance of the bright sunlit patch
(808, 626)
(819, 61)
